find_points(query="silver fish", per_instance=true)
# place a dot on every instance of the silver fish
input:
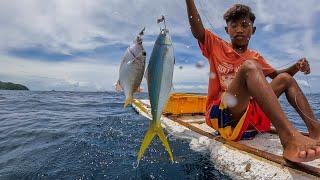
(132, 69)
(159, 77)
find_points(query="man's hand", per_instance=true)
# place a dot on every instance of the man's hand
(303, 66)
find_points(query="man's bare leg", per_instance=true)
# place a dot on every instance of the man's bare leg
(285, 83)
(250, 81)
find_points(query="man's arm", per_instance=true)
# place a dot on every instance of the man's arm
(302, 65)
(195, 21)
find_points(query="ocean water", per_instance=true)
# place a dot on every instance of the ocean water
(79, 135)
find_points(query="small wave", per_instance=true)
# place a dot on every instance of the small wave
(70, 135)
(200, 144)
(94, 104)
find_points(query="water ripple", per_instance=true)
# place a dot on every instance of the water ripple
(73, 135)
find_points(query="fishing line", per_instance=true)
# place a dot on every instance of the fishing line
(312, 119)
(290, 62)
(309, 85)
(307, 78)
(259, 132)
(208, 21)
(202, 9)
(295, 97)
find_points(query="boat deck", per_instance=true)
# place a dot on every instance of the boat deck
(260, 158)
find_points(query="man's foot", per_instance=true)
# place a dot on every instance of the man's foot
(300, 148)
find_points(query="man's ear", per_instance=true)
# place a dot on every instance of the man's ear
(226, 29)
(254, 30)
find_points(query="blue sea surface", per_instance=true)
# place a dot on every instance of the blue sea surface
(78, 135)
(81, 135)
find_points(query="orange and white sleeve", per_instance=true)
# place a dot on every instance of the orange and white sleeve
(266, 68)
(211, 43)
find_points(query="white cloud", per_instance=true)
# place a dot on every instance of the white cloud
(303, 83)
(65, 27)
(86, 75)
(298, 17)
(189, 73)
(268, 28)
(188, 79)
(80, 75)
(297, 44)
(74, 24)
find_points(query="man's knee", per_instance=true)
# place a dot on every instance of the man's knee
(250, 65)
(286, 78)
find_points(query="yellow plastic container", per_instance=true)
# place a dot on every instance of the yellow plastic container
(182, 103)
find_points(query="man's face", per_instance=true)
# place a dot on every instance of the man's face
(240, 31)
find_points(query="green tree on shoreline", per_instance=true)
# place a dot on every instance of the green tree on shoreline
(12, 86)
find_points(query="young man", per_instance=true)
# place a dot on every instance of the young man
(240, 76)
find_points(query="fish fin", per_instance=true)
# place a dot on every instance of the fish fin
(152, 131)
(139, 37)
(117, 86)
(146, 74)
(128, 101)
(142, 31)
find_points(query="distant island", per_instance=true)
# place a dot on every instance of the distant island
(12, 86)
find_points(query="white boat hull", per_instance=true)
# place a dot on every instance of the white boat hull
(230, 161)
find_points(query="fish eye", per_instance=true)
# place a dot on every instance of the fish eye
(144, 53)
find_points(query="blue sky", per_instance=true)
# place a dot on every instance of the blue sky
(78, 44)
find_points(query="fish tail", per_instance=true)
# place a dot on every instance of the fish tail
(128, 101)
(140, 106)
(152, 131)
(117, 86)
(164, 141)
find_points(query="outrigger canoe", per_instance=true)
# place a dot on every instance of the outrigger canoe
(260, 158)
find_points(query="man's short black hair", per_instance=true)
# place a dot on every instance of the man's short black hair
(238, 11)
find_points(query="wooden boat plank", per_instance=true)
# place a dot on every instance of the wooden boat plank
(256, 147)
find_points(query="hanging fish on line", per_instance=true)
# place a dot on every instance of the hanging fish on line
(159, 78)
(132, 69)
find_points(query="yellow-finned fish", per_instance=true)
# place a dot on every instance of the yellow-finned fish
(159, 77)
(131, 69)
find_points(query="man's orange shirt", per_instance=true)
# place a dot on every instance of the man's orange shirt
(224, 63)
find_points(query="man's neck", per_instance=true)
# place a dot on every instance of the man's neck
(240, 49)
